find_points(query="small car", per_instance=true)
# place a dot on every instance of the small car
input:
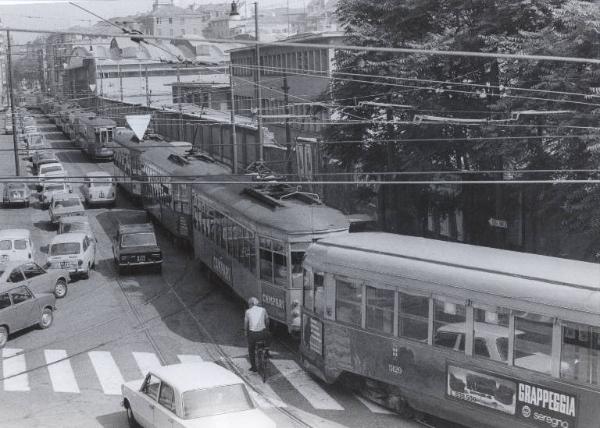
(21, 308)
(136, 245)
(50, 168)
(191, 395)
(51, 186)
(15, 244)
(36, 143)
(75, 224)
(99, 188)
(42, 158)
(8, 128)
(35, 277)
(16, 194)
(75, 252)
(64, 204)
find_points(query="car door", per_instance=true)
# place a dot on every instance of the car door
(26, 308)
(146, 401)
(36, 279)
(164, 412)
(8, 316)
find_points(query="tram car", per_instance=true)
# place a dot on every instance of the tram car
(94, 136)
(254, 237)
(479, 336)
(64, 114)
(164, 196)
(127, 150)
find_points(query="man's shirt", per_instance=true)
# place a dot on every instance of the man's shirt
(256, 319)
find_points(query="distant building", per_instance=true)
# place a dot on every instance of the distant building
(166, 19)
(209, 92)
(321, 16)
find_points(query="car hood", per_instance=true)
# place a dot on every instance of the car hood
(134, 385)
(254, 418)
(67, 210)
(140, 250)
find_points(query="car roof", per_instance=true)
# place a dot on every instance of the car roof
(98, 174)
(68, 237)
(75, 219)
(192, 376)
(16, 185)
(134, 228)
(62, 195)
(9, 265)
(14, 233)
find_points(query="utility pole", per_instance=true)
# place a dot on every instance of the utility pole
(120, 82)
(288, 131)
(147, 88)
(179, 104)
(261, 157)
(233, 130)
(12, 104)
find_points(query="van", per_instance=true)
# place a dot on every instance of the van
(15, 244)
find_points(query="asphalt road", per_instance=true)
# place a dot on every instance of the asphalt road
(112, 328)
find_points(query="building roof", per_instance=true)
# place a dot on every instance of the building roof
(192, 376)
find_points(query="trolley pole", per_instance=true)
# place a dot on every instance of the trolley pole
(258, 90)
(120, 82)
(179, 104)
(233, 131)
(288, 131)
(12, 104)
(147, 88)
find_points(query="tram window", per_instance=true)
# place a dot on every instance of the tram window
(449, 321)
(297, 257)
(380, 310)
(308, 294)
(580, 355)
(266, 260)
(533, 342)
(413, 316)
(490, 332)
(280, 269)
(319, 284)
(348, 302)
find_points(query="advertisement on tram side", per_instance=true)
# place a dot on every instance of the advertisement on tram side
(538, 405)
(312, 333)
(273, 300)
(222, 267)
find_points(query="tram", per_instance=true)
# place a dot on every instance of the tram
(254, 236)
(483, 337)
(94, 135)
(164, 196)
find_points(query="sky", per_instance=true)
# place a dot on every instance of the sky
(60, 15)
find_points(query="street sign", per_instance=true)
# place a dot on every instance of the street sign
(138, 124)
(494, 222)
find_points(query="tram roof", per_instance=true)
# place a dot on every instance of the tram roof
(96, 121)
(497, 274)
(291, 215)
(166, 159)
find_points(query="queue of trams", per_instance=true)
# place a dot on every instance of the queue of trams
(483, 337)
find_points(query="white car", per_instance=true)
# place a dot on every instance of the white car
(73, 252)
(99, 188)
(15, 244)
(64, 204)
(51, 186)
(54, 170)
(192, 395)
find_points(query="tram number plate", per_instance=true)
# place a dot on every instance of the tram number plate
(64, 264)
(141, 258)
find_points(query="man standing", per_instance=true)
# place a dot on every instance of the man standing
(256, 322)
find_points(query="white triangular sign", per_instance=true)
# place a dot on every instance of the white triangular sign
(139, 124)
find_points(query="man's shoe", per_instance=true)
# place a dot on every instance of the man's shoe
(253, 369)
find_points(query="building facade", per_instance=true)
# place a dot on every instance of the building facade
(166, 19)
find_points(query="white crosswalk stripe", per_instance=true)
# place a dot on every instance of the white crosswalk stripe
(107, 371)
(13, 364)
(266, 396)
(61, 372)
(146, 361)
(187, 359)
(315, 395)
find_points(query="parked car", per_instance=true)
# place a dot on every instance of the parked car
(36, 143)
(16, 194)
(21, 308)
(64, 204)
(136, 245)
(99, 188)
(36, 278)
(51, 186)
(75, 224)
(75, 252)
(8, 128)
(15, 244)
(192, 395)
(42, 158)
(55, 169)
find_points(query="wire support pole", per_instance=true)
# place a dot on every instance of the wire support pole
(12, 104)
(234, 157)
(261, 157)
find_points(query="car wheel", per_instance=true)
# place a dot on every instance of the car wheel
(47, 318)
(60, 289)
(131, 418)
(3, 336)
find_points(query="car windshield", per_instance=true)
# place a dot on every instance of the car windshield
(6, 244)
(64, 248)
(100, 182)
(138, 240)
(216, 401)
(52, 168)
(64, 203)
(75, 227)
(53, 187)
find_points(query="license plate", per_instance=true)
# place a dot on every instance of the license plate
(141, 258)
(64, 265)
(101, 194)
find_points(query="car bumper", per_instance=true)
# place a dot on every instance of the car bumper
(147, 263)
(100, 201)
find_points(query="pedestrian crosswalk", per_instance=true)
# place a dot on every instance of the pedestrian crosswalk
(106, 371)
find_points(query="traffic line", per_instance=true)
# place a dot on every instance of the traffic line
(13, 364)
(262, 393)
(61, 372)
(375, 408)
(187, 359)
(146, 361)
(309, 389)
(107, 371)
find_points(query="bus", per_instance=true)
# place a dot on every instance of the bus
(254, 236)
(475, 335)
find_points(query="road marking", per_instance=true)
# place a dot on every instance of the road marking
(187, 359)
(262, 393)
(61, 372)
(146, 361)
(311, 390)
(107, 371)
(13, 365)
(375, 408)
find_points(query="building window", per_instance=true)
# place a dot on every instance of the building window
(533, 342)
(449, 322)
(348, 302)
